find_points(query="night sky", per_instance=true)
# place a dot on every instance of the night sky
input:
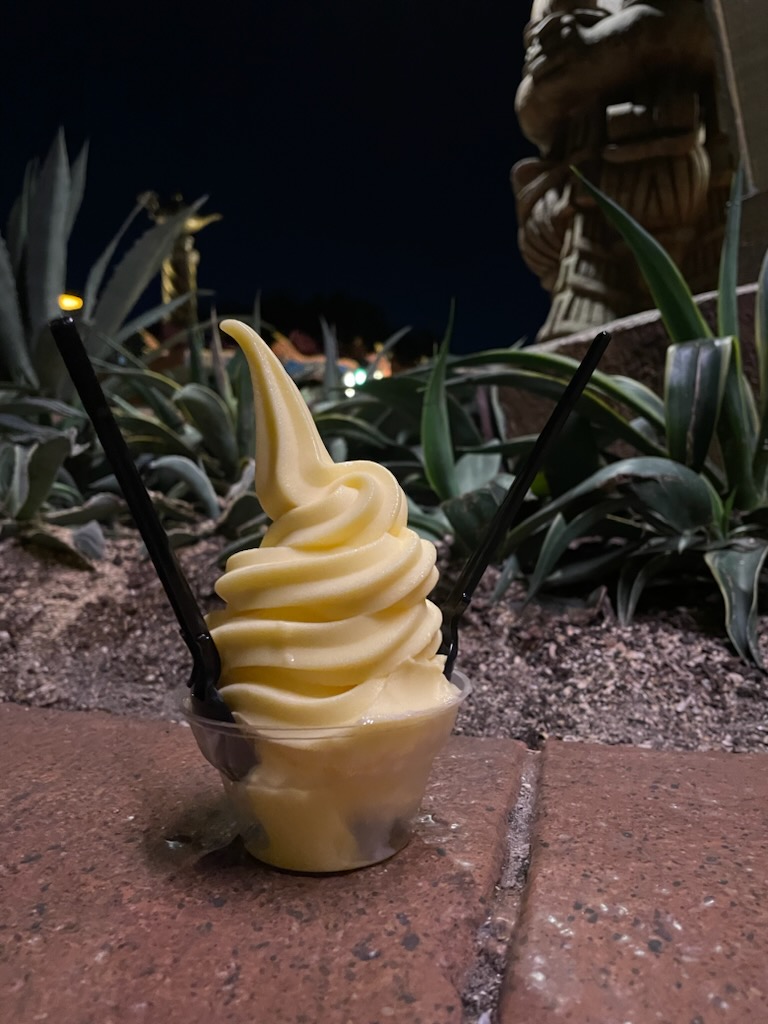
(361, 148)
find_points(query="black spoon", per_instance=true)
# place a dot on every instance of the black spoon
(230, 753)
(461, 593)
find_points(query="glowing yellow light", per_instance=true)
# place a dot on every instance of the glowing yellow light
(69, 302)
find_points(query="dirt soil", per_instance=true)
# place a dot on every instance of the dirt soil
(77, 639)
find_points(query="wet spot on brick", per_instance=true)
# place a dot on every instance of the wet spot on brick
(655, 945)
(217, 901)
(30, 858)
(403, 919)
(410, 941)
(205, 927)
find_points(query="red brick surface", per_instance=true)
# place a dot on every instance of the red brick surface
(647, 894)
(122, 899)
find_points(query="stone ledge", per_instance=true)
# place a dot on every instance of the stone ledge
(126, 898)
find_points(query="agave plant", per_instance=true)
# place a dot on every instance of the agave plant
(42, 434)
(692, 501)
(699, 501)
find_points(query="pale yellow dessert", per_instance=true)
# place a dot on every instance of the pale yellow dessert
(328, 644)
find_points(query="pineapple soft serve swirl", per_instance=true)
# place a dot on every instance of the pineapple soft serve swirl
(327, 622)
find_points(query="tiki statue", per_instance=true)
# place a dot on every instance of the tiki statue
(625, 91)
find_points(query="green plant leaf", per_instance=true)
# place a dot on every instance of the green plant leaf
(46, 252)
(668, 288)
(100, 507)
(77, 176)
(761, 346)
(99, 268)
(149, 317)
(15, 364)
(591, 570)
(633, 580)
(146, 435)
(58, 539)
(678, 500)
(727, 295)
(45, 461)
(242, 513)
(513, 448)
(218, 365)
(561, 534)
(474, 471)
(624, 390)
(193, 476)
(386, 348)
(431, 524)
(694, 383)
(242, 394)
(736, 570)
(139, 266)
(23, 431)
(436, 439)
(18, 219)
(14, 469)
(30, 406)
(134, 376)
(591, 406)
(357, 430)
(470, 514)
(88, 539)
(210, 415)
(680, 497)
(737, 432)
(575, 456)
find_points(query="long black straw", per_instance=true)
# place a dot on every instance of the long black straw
(190, 618)
(462, 591)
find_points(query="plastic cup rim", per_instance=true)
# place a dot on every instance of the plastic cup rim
(458, 678)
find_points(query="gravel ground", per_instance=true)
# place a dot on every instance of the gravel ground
(77, 639)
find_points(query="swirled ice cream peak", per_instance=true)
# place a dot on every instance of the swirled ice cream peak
(327, 622)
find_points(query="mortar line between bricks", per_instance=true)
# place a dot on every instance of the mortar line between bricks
(480, 998)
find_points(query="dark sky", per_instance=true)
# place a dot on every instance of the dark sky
(361, 147)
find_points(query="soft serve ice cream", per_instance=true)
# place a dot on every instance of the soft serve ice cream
(328, 644)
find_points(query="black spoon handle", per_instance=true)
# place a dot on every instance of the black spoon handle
(470, 576)
(185, 607)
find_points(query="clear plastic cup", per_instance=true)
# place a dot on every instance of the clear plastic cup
(332, 799)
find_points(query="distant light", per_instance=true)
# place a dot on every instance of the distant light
(349, 392)
(69, 302)
(377, 374)
(349, 379)
(360, 376)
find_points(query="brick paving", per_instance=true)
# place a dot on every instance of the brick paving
(126, 897)
(124, 900)
(647, 893)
